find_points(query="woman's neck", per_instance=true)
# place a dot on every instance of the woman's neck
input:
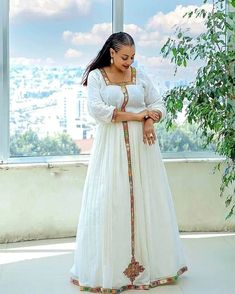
(113, 70)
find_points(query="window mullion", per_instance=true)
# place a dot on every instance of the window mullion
(117, 16)
(4, 81)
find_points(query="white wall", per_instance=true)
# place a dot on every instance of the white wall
(39, 201)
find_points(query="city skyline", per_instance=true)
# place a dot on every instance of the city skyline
(52, 100)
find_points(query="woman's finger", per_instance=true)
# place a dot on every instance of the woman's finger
(150, 139)
(154, 116)
(145, 139)
(154, 136)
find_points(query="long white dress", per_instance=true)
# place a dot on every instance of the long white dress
(127, 235)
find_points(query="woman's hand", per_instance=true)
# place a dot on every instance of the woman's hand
(141, 116)
(149, 135)
(155, 115)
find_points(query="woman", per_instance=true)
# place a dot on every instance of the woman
(127, 235)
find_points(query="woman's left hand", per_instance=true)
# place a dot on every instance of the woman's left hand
(149, 135)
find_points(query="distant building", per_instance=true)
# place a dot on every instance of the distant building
(85, 145)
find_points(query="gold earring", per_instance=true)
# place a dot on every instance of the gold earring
(111, 61)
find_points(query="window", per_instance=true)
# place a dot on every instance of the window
(50, 44)
(150, 23)
(43, 110)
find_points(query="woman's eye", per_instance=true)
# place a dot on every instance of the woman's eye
(132, 58)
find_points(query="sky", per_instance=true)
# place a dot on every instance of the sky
(71, 32)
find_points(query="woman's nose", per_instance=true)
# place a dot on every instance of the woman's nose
(129, 62)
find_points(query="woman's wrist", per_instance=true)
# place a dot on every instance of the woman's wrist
(137, 117)
(119, 116)
(154, 115)
(149, 120)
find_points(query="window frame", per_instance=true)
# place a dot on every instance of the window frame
(117, 25)
(4, 82)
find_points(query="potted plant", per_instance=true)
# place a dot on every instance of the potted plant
(209, 100)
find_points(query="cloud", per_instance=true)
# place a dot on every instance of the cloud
(83, 5)
(96, 36)
(67, 35)
(47, 8)
(160, 26)
(163, 68)
(153, 61)
(72, 53)
(166, 23)
(152, 39)
(32, 61)
(134, 30)
(155, 33)
(149, 37)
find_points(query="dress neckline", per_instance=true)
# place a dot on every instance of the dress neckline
(108, 82)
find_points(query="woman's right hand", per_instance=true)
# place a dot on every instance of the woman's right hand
(147, 113)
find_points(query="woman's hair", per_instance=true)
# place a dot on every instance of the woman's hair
(115, 41)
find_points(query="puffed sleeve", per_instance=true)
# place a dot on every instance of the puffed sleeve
(152, 96)
(97, 108)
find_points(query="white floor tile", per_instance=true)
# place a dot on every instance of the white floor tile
(42, 266)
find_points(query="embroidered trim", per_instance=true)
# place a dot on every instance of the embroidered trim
(108, 82)
(134, 268)
(158, 282)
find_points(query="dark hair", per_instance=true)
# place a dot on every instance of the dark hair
(115, 41)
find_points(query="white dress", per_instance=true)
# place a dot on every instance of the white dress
(127, 235)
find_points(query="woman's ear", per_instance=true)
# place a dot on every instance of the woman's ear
(111, 52)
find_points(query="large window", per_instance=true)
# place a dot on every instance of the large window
(50, 44)
(43, 112)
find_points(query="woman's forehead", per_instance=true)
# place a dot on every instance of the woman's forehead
(129, 50)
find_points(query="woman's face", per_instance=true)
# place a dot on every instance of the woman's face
(123, 58)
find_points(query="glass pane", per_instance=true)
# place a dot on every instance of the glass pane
(51, 42)
(150, 24)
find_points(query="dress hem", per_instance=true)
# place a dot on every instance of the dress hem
(155, 283)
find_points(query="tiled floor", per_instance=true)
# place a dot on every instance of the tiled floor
(42, 267)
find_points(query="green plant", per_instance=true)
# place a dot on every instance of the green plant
(29, 144)
(210, 98)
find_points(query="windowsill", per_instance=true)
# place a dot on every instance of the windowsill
(53, 161)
